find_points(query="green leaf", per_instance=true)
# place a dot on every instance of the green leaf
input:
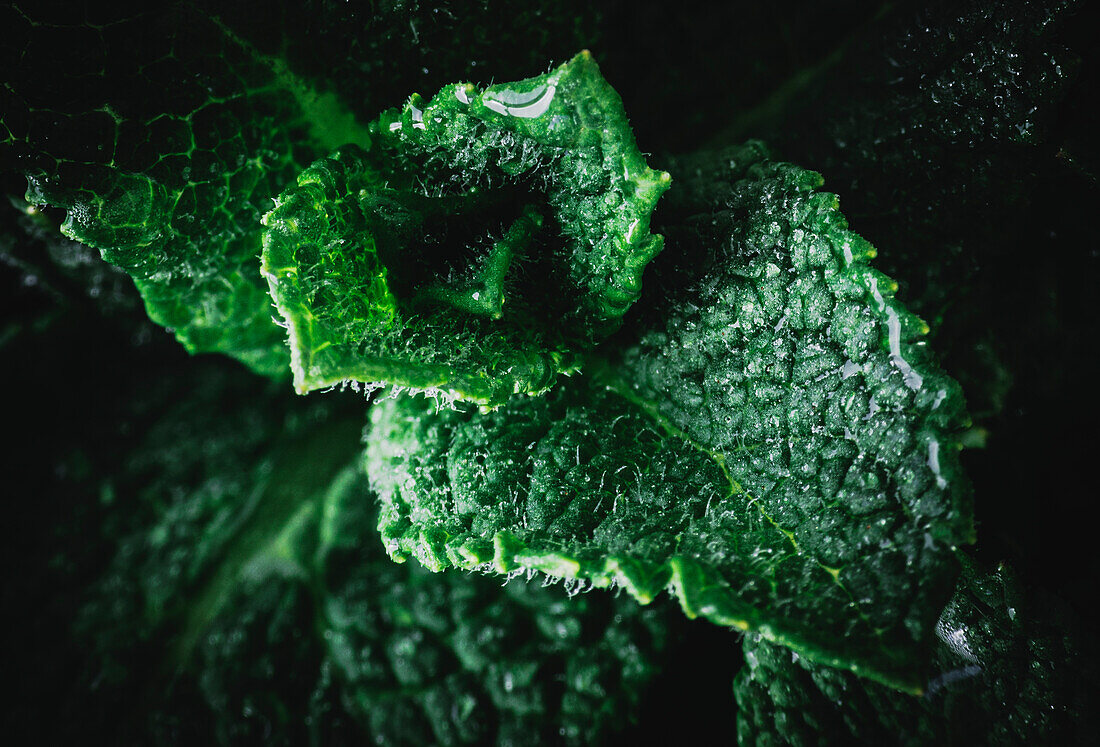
(453, 659)
(1009, 670)
(483, 242)
(953, 178)
(781, 451)
(165, 153)
(164, 133)
(248, 599)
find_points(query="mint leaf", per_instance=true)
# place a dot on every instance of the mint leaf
(451, 659)
(1009, 669)
(245, 598)
(163, 134)
(164, 155)
(781, 452)
(949, 176)
(484, 241)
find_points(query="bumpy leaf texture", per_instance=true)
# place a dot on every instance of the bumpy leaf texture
(164, 133)
(959, 138)
(163, 136)
(780, 449)
(945, 104)
(481, 244)
(1008, 671)
(962, 107)
(455, 659)
(249, 586)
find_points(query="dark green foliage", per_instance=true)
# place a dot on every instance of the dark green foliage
(163, 137)
(920, 129)
(247, 601)
(1009, 670)
(942, 129)
(781, 449)
(457, 659)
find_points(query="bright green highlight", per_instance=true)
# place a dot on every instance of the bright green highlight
(173, 191)
(482, 244)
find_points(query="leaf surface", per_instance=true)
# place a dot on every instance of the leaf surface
(1009, 668)
(162, 134)
(781, 452)
(247, 599)
(163, 137)
(455, 659)
(484, 242)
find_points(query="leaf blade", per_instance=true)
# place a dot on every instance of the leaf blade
(756, 476)
(386, 264)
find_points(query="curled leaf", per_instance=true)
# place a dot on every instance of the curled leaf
(483, 243)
